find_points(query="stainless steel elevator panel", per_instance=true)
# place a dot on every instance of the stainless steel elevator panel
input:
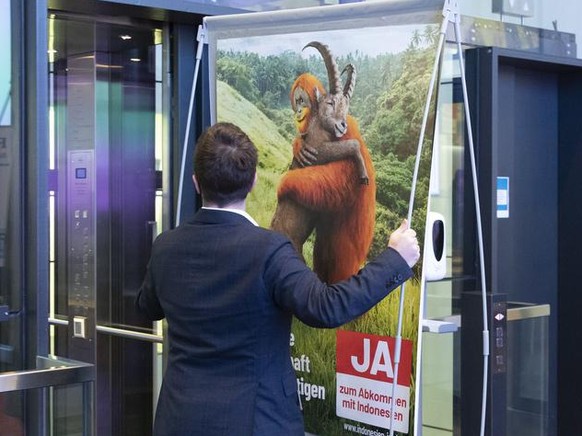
(81, 253)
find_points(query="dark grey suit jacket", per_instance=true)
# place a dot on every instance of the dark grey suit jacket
(228, 290)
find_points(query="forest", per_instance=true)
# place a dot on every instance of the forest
(388, 102)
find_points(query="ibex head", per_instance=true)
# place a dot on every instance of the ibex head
(333, 74)
(333, 107)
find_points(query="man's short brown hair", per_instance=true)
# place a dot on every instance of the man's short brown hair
(225, 163)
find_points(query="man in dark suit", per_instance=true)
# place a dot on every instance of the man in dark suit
(228, 290)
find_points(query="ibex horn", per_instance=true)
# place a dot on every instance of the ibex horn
(333, 75)
(350, 81)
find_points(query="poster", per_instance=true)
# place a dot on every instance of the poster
(356, 78)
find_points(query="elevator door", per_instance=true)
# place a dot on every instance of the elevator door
(106, 198)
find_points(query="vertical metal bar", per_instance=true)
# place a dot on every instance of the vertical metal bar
(440, 44)
(36, 157)
(33, 137)
(485, 334)
(201, 38)
(166, 130)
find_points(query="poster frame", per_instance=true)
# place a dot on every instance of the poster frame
(330, 18)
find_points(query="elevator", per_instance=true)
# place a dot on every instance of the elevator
(107, 181)
(93, 115)
(528, 146)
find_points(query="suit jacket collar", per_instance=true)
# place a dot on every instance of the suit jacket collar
(213, 216)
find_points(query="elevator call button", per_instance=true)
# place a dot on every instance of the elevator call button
(79, 327)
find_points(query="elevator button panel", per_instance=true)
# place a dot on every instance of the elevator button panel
(81, 249)
(499, 340)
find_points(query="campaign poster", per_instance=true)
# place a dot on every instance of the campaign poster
(334, 99)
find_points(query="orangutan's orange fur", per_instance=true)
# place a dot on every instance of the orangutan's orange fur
(342, 210)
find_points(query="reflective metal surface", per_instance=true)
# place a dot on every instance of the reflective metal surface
(50, 371)
(123, 333)
(518, 311)
(108, 94)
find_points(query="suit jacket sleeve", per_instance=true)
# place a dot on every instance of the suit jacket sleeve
(295, 288)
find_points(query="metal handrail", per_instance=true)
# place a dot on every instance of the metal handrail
(124, 333)
(58, 321)
(50, 371)
(131, 334)
(527, 311)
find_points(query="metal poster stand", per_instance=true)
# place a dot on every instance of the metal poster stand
(202, 41)
(452, 15)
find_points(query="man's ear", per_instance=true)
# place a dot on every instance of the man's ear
(196, 186)
(254, 181)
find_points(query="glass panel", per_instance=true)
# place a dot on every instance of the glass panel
(67, 410)
(11, 413)
(11, 326)
(67, 413)
(528, 370)
(440, 377)
(50, 382)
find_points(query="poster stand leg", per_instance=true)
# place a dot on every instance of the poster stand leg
(202, 41)
(398, 338)
(485, 333)
(450, 14)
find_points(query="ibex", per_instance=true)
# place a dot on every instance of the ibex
(327, 123)
(322, 197)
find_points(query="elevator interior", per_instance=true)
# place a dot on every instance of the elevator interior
(107, 156)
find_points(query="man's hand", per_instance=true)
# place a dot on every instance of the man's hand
(404, 241)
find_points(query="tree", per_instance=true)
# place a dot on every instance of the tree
(237, 75)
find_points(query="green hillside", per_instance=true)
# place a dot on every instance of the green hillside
(274, 150)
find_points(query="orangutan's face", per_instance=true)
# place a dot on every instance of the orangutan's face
(302, 109)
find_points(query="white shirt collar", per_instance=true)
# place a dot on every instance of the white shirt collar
(238, 211)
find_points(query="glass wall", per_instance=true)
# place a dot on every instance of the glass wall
(10, 213)
(11, 298)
